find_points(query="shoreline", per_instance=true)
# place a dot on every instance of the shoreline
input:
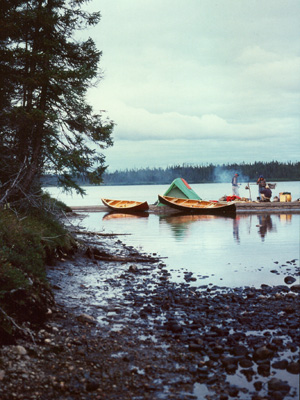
(122, 330)
(241, 207)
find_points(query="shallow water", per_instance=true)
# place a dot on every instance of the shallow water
(246, 251)
(207, 191)
(249, 250)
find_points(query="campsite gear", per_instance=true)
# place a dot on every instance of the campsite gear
(233, 198)
(285, 197)
(181, 189)
(126, 205)
(198, 206)
(248, 188)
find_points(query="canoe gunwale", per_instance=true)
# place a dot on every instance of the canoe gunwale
(210, 208)
(128, 205)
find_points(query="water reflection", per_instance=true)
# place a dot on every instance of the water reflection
(180, 223)
(285, 218)
(265, 225)
(217, 250)
(128, 215)
(236, 230)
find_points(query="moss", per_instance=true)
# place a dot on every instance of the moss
(29, 237)
(11, 277)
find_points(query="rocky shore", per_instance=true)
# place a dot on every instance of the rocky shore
(120, 329)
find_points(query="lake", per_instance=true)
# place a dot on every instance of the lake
(248, 250)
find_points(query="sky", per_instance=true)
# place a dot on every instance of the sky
(196, 82)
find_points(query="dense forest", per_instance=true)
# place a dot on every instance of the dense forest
(272, 171)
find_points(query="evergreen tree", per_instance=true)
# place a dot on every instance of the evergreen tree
(46, 124)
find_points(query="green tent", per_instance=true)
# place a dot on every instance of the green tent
(181, 189)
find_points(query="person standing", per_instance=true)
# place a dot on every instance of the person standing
(235, 185)
(261, 182)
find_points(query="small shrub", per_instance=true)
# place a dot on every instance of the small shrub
(10, 277)
(28, 239)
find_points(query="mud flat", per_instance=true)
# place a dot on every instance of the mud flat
(121, 329)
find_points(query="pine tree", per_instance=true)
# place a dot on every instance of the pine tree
(46, 124)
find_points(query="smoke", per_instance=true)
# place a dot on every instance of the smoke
(223, 175)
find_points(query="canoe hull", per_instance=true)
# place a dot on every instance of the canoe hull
(198, 206)
(125, 205)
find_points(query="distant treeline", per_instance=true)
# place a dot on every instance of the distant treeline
(272, 171)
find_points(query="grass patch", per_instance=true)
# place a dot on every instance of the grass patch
(28, 239)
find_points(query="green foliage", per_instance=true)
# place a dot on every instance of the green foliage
(45, 121)
(21, 244)
(29, 237)
(10, 276)
(48, 203)
(26, 240)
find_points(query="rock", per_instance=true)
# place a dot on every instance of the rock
(289, 280)
(258, 385)
(264, 369)
(229, 360)
(289, 309)
(293, 368)
(233, 391)
(282, 364)
(218, 349)
(295, 288)
(195, 347)
(91, 385)
(203, 371)
(174, 327)
(231, 368)
(85, 318)
(133, 268)
(20, 350)
(2, 374)
(245, 363)
(263, 353)
(248, 374)
(240, 350)
(275, 384)
(223, 396)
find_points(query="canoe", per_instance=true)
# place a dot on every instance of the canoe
(198, 206)
(126, 205)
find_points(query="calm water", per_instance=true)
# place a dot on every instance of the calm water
(246, 251)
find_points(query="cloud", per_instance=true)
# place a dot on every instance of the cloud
(257, 55)
(138, 124)
(270, 71)
(219, 75)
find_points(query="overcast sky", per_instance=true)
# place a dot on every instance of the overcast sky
(199, 81)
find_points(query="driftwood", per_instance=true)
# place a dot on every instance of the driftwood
(99, 234)
(25, 331)
(148, 259)
(101, 255)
